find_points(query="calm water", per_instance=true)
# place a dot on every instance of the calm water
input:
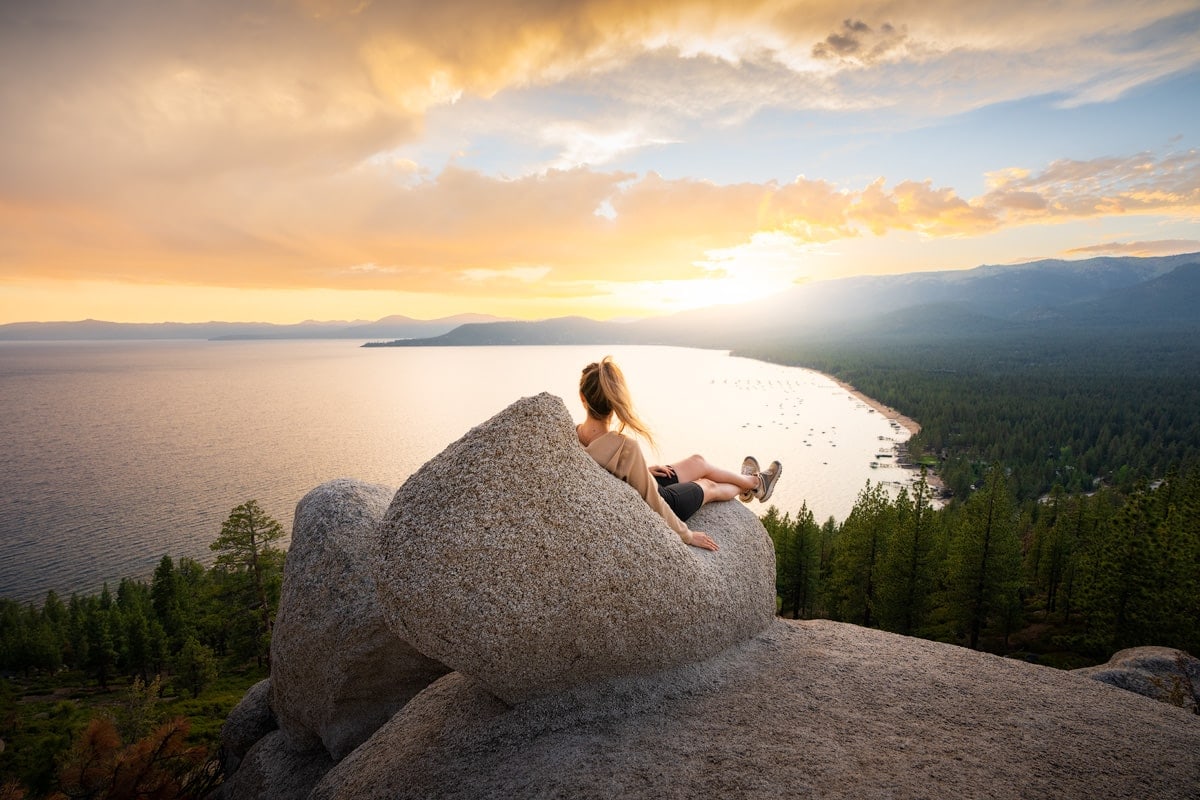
(114, 454)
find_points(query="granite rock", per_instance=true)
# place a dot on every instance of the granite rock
(515, 559)
(1162, 673)
(249, 721)
(338, 671)
(272, 770)
(804, 709)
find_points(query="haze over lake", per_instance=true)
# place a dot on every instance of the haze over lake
(115, 454)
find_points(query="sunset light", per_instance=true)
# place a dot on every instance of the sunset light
(330, 159)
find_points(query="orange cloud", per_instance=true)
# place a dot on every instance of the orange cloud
(252, 144)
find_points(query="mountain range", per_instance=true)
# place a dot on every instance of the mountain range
(1050, 295)
(1108, 293)
(393, 327)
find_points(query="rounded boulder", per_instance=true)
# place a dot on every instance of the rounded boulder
(338, 671)
(514, 558)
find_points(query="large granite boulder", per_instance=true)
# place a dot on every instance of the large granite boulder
(273, 770)
(250, 720)
(804, 709)
(338, 671)
(515, 559)
(1162, 673)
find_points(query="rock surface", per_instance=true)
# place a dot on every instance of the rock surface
(1162, 673)
(250, 720)
(272, 770)
(805, 709)
(338, 671)
(517, 560)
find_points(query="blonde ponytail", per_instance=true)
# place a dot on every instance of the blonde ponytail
(605, 393)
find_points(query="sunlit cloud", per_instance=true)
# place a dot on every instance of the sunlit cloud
(518, 274)
(580, 144)
(287, 145)
(1155, 248)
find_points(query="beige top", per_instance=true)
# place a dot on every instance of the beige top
(621, 456)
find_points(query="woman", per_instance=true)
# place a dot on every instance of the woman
(676, 491)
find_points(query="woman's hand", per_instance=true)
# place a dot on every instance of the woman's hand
(703, 541)
(662, 472)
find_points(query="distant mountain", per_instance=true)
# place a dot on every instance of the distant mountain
(401, 327)
(1168, 301)
(560, 330)
(394, 327)
(1039, 295)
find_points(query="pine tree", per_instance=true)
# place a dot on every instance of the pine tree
(244, 550)
(1122, 592)
(859, 552)
(985, 558)
(195, 666)
(908, 569)
(799, 565)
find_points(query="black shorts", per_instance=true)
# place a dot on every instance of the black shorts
(684, 499)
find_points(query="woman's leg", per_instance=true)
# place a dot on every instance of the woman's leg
(695, 468)
(718, 491)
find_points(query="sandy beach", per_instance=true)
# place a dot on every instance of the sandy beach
(908, 423)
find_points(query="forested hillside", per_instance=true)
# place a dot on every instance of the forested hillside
(1066, 581)
(1080, 408)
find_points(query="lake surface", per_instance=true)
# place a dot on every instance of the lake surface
(113, 454)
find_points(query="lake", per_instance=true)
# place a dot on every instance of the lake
(114, 454)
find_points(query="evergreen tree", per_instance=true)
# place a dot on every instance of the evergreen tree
(985, 558)
(858, 553)
(797, 562)
(101, 645)
(167, 601)
(245, 549)
(908, 568)
(195, 666)
(1122, 592)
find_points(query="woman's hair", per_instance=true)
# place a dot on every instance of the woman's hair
(604, 393)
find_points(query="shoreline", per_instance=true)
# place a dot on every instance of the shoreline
(908, 423)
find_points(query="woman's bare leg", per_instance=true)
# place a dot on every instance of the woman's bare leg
(693, 468)
(717, 491)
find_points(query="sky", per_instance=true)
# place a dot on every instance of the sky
(284, 160)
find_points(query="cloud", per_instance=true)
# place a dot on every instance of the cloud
(377, 227)
(261, 143)
(581, 144)
(857, 41)
(1160, 247)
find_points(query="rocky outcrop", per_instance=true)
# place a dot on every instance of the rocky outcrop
(595, 656)
(516, 559)
(248, 722)
(337, 670)
(273, 770)
(805, 709)
(1162, 673)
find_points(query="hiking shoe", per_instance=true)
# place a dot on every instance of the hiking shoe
(767, 481)
(749, 467)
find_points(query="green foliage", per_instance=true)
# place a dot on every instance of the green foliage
(195, 666)
(858, 557)
(797, 560)
(1081, 407)
(1068, 579)
(912, 561)
(984, 560)
(190, 627)
(250, 572)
